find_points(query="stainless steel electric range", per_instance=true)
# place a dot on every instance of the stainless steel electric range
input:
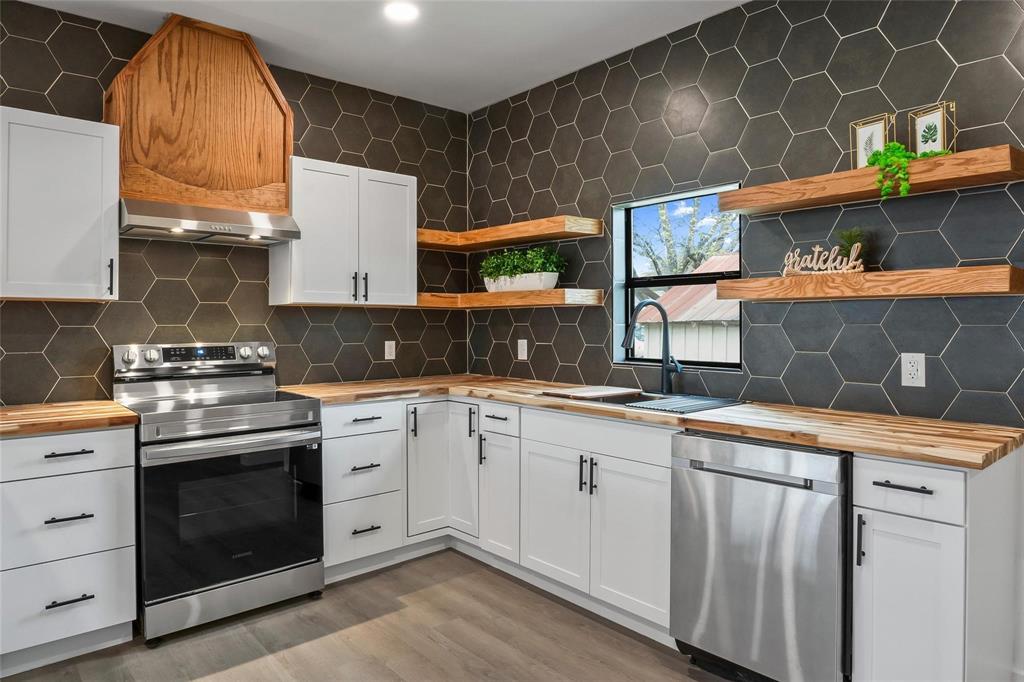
(230, 482)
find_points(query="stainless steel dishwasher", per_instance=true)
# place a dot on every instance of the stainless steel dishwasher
(759, 580)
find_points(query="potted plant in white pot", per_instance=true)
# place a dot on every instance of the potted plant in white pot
(523, 269)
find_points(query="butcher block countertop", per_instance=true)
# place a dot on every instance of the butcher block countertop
(32, 420)
(972, 446)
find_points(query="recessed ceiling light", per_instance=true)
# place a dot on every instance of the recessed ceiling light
(177, 230)
(401, 12)
(254, 237)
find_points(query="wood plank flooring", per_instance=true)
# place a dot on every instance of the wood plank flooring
(440, 617)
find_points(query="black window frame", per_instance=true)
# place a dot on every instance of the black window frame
(631, 283)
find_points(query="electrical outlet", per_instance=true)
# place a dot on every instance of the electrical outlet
(389, 350)
(522, 350)
(912, 369)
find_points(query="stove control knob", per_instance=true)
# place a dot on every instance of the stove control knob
(129, 357)
(151, 355)
(245, 352)
(263, 351)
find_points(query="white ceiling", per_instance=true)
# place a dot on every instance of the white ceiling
(460, 54)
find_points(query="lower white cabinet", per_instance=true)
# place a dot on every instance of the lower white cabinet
(360, 466)
(555, 513)
(909, 594)
(428, 476)
(362, 527)
(463, 467)
(499, 495)
(630, 536)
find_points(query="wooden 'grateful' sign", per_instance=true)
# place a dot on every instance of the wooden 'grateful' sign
(820, 261)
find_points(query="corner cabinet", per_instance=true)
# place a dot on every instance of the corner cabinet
(428, 473)
(358, 238)
(59, 225)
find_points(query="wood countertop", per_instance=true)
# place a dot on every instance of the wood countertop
(971, 446)
(42, 418)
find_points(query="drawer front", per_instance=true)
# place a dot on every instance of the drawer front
(363, 527)
(351, 420)
(106, 578)
(66, 453)
(882, 485)
(614, 437)
(360, 466)
(499, 418)
(63, 516)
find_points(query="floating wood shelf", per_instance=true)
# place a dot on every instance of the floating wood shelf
(986, 166)
(512, 299)
(545, 229)
(978, 280)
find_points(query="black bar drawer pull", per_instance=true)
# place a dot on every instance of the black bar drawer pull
(583, 461)
(355, 286)
(365, 467)
(366, 286)
(54, 519)
(482, 455)
(494, 416)
(906, 488)
(359, 420)
(54, 455)
(472, 413)
(365, 530)
(593, 479)
(56, 604)
(860, 539)
(110, 277)
(414, 423)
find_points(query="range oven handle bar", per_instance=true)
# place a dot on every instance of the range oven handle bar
(208, 448)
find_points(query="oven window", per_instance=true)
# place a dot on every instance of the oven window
(210, 521)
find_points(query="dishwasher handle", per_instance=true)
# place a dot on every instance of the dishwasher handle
(753, 475)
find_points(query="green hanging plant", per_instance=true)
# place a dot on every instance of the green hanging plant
(893, 161)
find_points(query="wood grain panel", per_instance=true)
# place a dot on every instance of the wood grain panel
(202, 121)
(512, 299)
(986, 166)
(978, 280)
(545, 229)
(26, 420)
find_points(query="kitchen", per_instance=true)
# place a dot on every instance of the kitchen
(360, 378)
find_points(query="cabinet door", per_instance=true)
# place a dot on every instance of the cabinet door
(387, 238)
(59, 225)
(555, 513)
(499, 495)
(629, 535)
(322, 266)
(428, 477)
(908, 599)
(464, 474)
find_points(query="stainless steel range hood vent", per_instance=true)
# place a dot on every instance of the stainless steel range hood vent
(178, 222)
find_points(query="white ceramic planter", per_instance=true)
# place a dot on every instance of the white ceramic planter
(532, 281)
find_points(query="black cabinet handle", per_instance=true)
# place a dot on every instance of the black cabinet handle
(358, 420)
(56, 604)
(54, 519)
(414, 424)
(360, 531)
(860, 539)
(906, 488)
(472, 412)
(583, 461)
(494, 416)
(54, 455)
(355, 286)
(110, 277)
(365, 467)
(482, 455)
(366, 286)
(593, 479)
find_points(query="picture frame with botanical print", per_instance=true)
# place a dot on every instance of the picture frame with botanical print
(868, 135)
(933, 128)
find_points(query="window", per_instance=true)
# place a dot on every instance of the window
(675, 249)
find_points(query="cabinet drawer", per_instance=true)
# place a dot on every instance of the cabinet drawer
(351, 420)
(936, 494)
(615, 437)
(360, 466)
(66, 453)
(499, 418)
(359, 528)
(30, 615)
(43, 517)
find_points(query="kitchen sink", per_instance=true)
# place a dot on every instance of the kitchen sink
(678, 403)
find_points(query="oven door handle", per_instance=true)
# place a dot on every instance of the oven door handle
(207, 448)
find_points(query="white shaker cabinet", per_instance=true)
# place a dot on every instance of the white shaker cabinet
(358, 238)
(464, 476)
(499, 495)
(428, 477)
(59, 224)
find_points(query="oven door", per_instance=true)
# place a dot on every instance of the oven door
(218, 510)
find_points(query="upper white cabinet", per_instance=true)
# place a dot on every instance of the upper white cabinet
(358, 243)
(59, 225)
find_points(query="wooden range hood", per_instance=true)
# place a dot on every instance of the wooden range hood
(203, 126)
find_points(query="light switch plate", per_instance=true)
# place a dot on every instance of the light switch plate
(389, 350)
(522, 350)
(912, 369)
